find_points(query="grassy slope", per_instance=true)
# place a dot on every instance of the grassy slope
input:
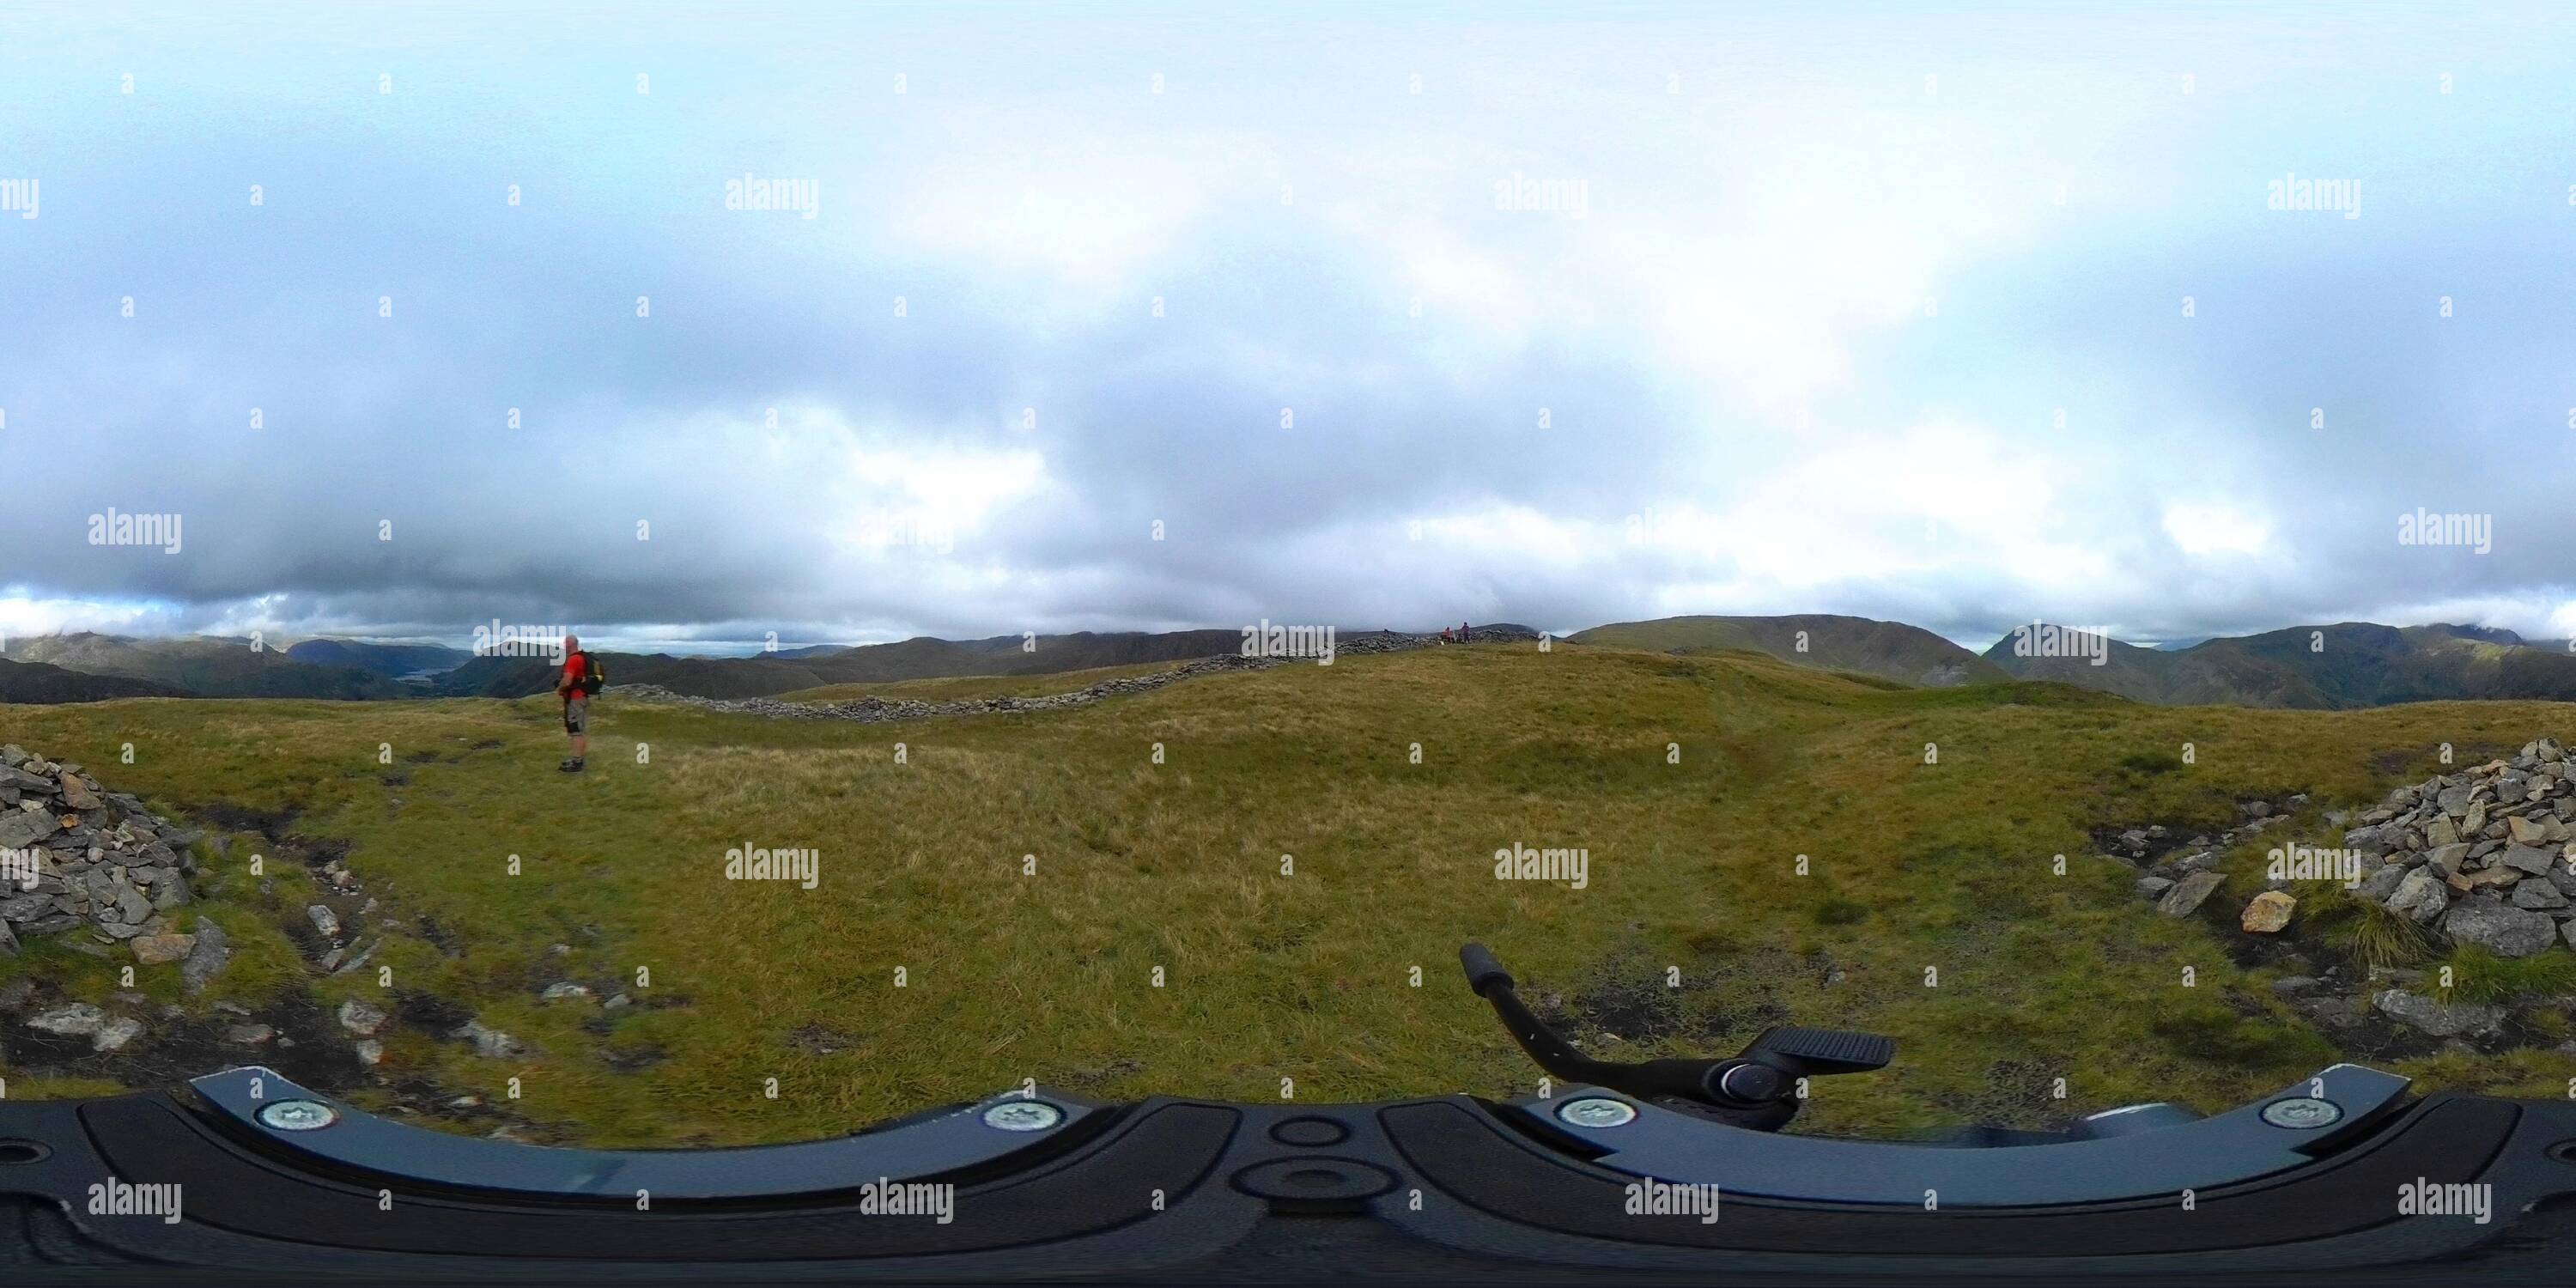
(961, 688)
(1309, 976)
(1861, 645)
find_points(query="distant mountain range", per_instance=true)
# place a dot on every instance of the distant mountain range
(1889, 650)
(37, 683)
(768, 674)
(203, 666)
(2345, 665)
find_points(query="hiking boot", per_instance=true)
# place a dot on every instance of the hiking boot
(570, 766)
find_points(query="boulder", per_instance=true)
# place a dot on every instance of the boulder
(207, 959)
(2438, 1019)
(2529, 860)
(2539, 896)
(2499, 927)
(2421, 896)
(2268, 913)
(157, 950)
(2188, 894)
(325, 921)
(2380, 884)
(22, 829)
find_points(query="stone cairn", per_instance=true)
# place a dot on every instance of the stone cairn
(75, 857)
(2483, 855)
(872, 709)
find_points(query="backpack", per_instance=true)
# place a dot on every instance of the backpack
(593, 676)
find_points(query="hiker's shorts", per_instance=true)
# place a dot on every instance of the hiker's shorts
(577, 716)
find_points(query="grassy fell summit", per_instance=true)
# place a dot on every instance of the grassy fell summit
(1864, 646)
(1287, 864)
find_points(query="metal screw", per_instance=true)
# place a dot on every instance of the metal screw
(2300, 1113)
(1597, 1111)
(1023, 1115)
(299, 1115)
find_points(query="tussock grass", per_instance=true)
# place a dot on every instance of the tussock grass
(2366, 932)
(1931, 899)
(2479, 976)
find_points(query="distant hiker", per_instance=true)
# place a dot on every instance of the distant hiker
(1465, 636)
(580, 680)
(1444, 634)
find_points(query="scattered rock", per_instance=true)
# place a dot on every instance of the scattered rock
(370, 1052)
(490, 1042)
(325, 922)
(2268, 913)
(2188, 894)
(156, 950)
(249, 1035)
(360, 1018)
(78, 1020)
(557, 992)
(2439, 1019)
(208, 959)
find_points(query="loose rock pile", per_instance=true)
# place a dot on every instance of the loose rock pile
(2184, 874)
(2483, 855)
(871, 710)
(79, 857)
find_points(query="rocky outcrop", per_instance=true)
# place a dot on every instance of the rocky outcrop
(74, 856)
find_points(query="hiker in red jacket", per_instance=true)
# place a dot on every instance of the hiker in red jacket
(575, 684)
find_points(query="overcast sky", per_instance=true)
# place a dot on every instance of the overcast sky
(1386, 315)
